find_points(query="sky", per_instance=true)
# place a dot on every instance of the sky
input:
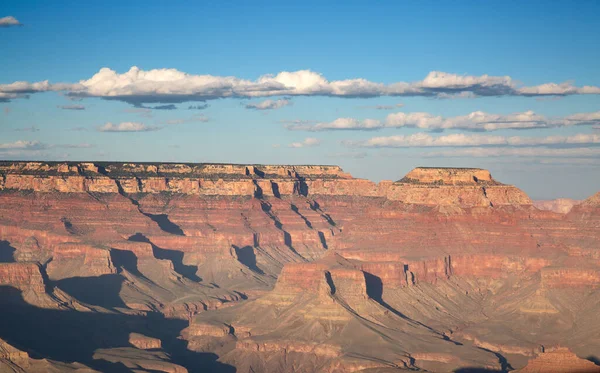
(377, 87)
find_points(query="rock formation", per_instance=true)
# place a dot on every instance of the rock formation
(559, 360)
(215, 267)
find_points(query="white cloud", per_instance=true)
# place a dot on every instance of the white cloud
(34, 147)
(338, 124)
(170, 86)
(477, 121)
(22, 89)
(307, 142)
(9, 21)
(23, 145)
(126, 127)
(463, 140)
(269, 104)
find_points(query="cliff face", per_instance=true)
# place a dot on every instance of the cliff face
(451, 186)
(194, 179)
(430, 186)
(300, 268)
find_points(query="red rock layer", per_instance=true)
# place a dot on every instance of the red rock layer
(23, 276)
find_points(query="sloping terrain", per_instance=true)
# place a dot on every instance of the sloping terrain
(252, 268)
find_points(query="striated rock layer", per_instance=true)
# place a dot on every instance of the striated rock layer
(264, 268)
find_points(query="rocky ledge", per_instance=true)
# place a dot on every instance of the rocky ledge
(465, 187)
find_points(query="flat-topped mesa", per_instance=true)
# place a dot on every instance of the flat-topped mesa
(429, 186)
(449, 176)
(464, 187)
(184, 178)
(185, 170)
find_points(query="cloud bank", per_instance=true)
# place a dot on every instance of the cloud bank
(126, 127)
(269, 104)
(421, 140)
(477, 121)
(21, 147)
(171, 86)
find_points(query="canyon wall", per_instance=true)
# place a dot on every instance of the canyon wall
(303, 267)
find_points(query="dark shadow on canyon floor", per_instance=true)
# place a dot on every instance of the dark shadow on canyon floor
(174, 256)
(594, 359)
(126, 260)
(99, 290)
(6, 252)
(72, 336)
(247, 257)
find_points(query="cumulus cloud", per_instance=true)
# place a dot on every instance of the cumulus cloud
(23, 89)
(126, 127)
(307, 142)
(71, 107)
(269, 104)
(171, 86)
(463, 140)
(477, 121)
(9, 21)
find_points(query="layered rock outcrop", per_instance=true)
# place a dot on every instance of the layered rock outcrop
(298, 268)
(455, 186)
(560, 360)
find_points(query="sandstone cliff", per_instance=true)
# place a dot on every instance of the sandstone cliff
(212, 267)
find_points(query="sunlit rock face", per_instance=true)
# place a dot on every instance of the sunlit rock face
(264, 268)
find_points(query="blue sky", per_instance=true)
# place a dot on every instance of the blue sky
(552, 152)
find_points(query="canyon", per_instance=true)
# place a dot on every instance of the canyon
(174, 267)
